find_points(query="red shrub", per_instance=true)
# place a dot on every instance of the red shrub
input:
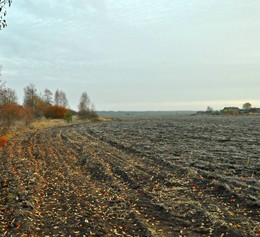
(55, 112)
(3, 141)
(10, 113)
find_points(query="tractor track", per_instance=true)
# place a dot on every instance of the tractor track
(79, 181)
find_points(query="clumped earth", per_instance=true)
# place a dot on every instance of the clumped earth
(172, 176)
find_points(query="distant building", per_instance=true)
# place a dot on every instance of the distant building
(230, 111)
(254, 110)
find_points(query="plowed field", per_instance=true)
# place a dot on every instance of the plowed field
(185, 176)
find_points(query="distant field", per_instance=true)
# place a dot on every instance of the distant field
(141, 176)
(143, 114)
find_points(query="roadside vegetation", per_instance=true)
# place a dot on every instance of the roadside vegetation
(247, 109)
(38, 108)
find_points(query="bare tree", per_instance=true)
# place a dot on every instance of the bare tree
(2, 88)
(2, 84)
(57, 97)
(8, 96)
(209, 110)
(93, 113)
(30, 97)
(32, 100)
(3, 12)
(64, 100)
(47, 97)
(60, 99)
(84, 106)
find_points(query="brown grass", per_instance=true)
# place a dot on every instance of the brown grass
(39, 124)
(45, 123)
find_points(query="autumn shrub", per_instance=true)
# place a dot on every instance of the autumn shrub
(55, 112)
(3, 141)
(10, 114)
(28, 116)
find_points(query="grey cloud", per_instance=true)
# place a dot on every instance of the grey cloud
(179, 50)
(99, 5)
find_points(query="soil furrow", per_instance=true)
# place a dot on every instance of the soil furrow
(131, 178)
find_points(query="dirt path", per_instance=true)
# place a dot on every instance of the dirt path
(73, 181)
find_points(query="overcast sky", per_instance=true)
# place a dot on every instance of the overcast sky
(136, 54)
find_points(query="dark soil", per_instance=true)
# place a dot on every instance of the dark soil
(187, 176)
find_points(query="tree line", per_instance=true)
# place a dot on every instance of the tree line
(38, 105)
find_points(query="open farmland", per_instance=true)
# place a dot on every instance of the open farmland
(171, 176)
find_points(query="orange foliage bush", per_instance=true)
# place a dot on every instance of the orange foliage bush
(55, 112)
(3, 141)
(10, 113)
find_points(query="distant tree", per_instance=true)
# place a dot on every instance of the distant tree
(2, 84)
(30, 97)
(47, 97)
(42, 106)
(209, 109)
(3, 12)
(84, 106)
(64, 100)
(8, 96)
(60, 98)
(57, 97)
(247, 106)
(93, 113)
(32, 100)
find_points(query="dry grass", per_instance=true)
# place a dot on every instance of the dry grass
(39, 124)
(45, 123)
